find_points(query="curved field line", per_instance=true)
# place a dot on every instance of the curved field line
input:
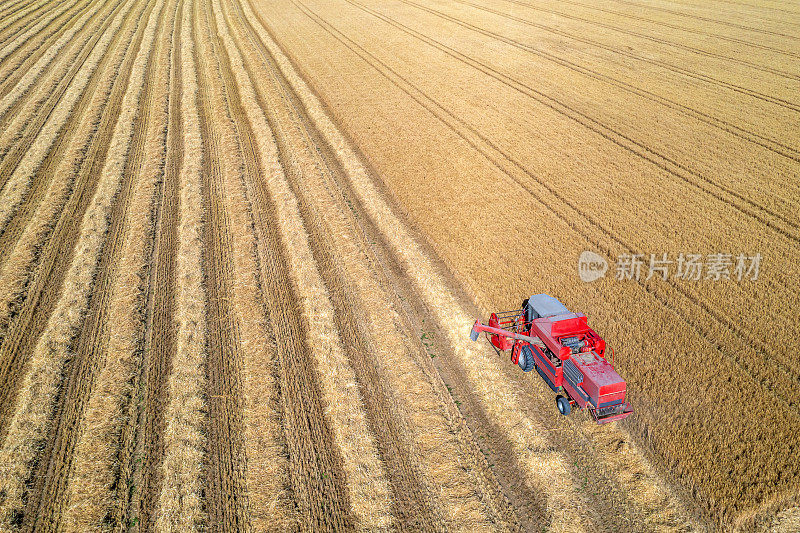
(16, 269)
(29, 114)
(19, 106)
(13, 7)
(509, 81)
(25, 57)
(446, 488)
(33, 407)
(652, 38)
(667, 25)
(547, 471)
(22, 139)
(266, 473)
(759, 6)
(317, 480)
(65, 234)
(18, 183)
(366, 483)
(178, 503)
(238, 333)
(405, 491)
(28, 11)
(708, 19)
(112, 327)
(764, 7)
(52, 180)
(752, 366)
(42, 24)
(723, 125)
(37, 107)
(25, 8)
(30, 271)
(786, 104)
(46, 285)
(640, 150)
(14, 14)
(145, 456)
(626, 31)
(234, 332)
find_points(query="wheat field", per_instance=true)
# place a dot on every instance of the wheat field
(242, 244)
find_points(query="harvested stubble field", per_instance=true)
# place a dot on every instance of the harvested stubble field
(242, 243)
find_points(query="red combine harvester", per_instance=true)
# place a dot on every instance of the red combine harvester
(567, 353)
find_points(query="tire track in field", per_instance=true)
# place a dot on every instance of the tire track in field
(418, 270)
(622, 140)
(652, 38)
(711, 80)
(26, 30)
(115, 308)
(784, 361)
(333, 460)
(160, 326)
(98, 487)
(721, 124)
(26, 57)
(459, 496)
(18, 10)
(46, 285)
(30, 421)
(541, 464)
(750, 15)
(411, 506)
(57, 37)
(362, 489)
(764, 7)
(12, 8)
(57, 164)
(503, 155)
(752, 365)
(668, 25)
(708, 19)
(263, 471)
(642, 151)
(28, 10)
(52, 183)
(44, 29)
(179, 503)
(27, 107)
(18, 167)
(224, 477)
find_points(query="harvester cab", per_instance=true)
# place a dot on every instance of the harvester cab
(568, 355)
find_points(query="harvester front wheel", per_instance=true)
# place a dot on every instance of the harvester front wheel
(525, 361)
(563, 405)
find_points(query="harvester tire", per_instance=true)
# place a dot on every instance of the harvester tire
(526, 359)
(563, 405)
